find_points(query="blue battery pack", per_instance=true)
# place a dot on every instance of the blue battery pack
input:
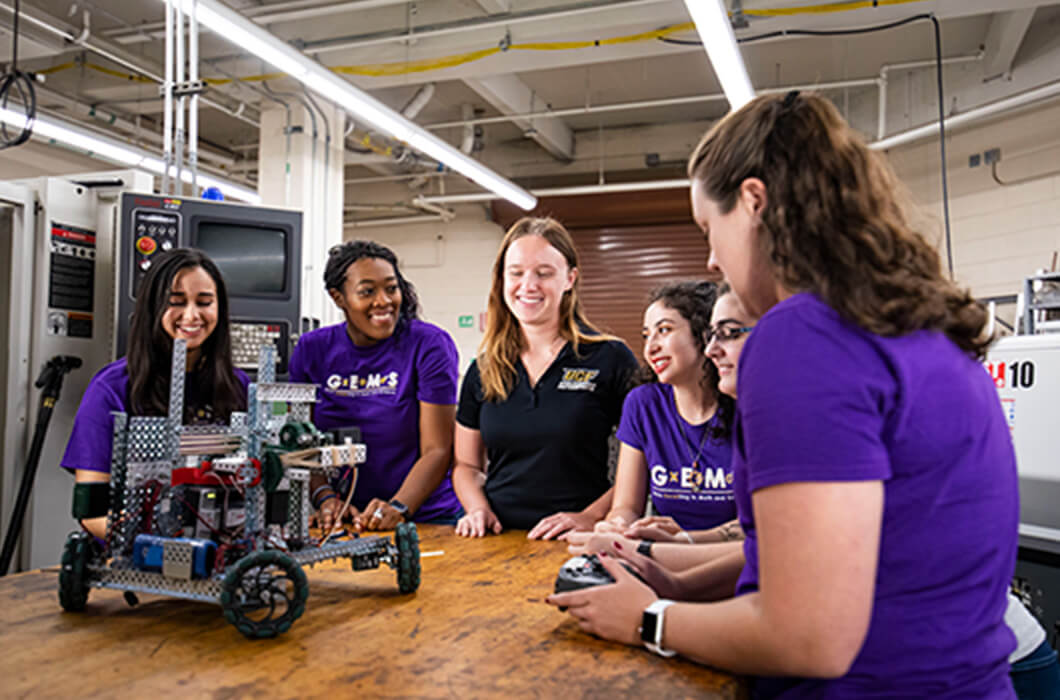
(148, 553)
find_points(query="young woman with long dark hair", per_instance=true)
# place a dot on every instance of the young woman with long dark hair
(875, 475)
(392, 375)
(182, 296)
(675, 429)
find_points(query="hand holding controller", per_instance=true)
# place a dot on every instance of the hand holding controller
(586, 571)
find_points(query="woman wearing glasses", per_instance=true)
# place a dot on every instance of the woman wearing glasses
(674, 431)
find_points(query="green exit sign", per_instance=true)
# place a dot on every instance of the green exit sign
(467, 321)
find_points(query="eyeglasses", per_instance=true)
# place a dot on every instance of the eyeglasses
(727, 333)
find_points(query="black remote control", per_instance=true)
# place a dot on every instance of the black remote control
(586, 571)
(582, 572)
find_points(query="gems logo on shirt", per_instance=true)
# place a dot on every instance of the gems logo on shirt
(372, 384)
(706, 482)
(578, 379)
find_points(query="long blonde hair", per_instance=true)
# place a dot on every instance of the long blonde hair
(504, 341)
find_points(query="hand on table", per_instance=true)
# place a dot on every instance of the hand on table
(657, 529)
(610, 526)
(612, 611)
(327, 515)
(378, 515)
(555, 525)
(478, 523)
(663, 581)
(593, 542)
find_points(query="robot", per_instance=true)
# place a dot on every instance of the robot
(220, 514)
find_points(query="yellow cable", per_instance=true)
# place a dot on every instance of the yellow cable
(403, 68)
(118, 74)
(826, 8)
(56, 69)
(431, 64)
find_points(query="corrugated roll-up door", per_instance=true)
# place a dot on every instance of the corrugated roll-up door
(622, 265)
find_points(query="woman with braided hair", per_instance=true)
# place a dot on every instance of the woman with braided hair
(393, 376)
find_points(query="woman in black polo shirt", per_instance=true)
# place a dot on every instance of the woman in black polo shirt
(539, 402)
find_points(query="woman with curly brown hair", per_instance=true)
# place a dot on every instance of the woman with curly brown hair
(875, 476)
(675, 446)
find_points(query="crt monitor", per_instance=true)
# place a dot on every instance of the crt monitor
(253, 259)
(257, 249)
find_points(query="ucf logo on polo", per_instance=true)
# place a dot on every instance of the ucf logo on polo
(356, 385)
(578, 379)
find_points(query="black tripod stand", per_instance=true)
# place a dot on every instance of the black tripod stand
(51, 381)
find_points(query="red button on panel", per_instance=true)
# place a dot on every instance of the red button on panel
(146, 245)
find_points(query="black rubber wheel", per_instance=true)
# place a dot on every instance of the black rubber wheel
(408, 565)
(73, 584)
(264, 593)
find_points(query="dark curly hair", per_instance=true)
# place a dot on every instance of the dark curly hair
(835, 221)
(340, 257)
(695, 302)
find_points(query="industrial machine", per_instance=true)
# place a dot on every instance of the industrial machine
(1026, 371)
(219, 513)
(257, 249)
(71, 251)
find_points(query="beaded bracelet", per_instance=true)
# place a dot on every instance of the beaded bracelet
(316, 492)
(325, 499)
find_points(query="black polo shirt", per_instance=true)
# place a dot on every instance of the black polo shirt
(547, 445)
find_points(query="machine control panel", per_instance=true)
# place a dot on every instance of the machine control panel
(249, 336)
(154, 231)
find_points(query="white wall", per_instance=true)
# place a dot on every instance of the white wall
(307, 180)
(1000, 234)
(450, 265)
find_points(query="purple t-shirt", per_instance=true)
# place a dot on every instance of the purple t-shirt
(823, 400)
(697, 497)
(379, 388)
(91, 438)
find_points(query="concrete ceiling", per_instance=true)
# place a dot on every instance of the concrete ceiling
(1004, 47)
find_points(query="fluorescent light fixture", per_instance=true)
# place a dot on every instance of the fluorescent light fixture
(45, 128)
(715, 31)
(248, 36)
(251, 39)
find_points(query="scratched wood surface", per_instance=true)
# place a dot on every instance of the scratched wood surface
(478, 627)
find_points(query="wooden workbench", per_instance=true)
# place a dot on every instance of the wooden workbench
(478, 627)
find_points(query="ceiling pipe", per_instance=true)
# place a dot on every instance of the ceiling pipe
(1008, 104)
(265, 14)
(99, 118)
(881, 119)
(414, 106)
(94, 47)
(709, 97)
(558, 191)
(398, 220)
(504, 21)
(993, 109)
(646, 104)
(394, 178)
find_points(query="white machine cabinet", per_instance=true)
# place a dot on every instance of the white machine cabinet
(1026, 371)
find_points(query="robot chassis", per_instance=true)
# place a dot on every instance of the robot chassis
(263, 591)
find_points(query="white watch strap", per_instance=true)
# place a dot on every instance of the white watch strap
(658, 608)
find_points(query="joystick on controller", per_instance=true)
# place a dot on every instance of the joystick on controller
(586, 571)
